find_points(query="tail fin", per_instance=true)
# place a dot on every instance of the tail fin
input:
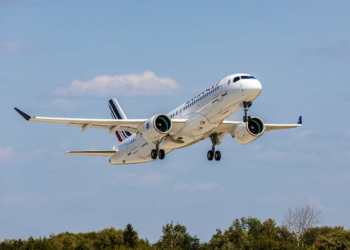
(117, 113)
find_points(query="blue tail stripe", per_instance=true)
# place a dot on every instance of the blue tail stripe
(116, 115)
(115, 109)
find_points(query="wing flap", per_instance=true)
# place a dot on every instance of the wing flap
(227, 126)
(178, 124)
(109, 153)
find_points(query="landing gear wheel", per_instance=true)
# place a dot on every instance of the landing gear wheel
(217, 155)
(246, 106)
(249, 118)
(161, 154)
(154, 154)
(210, 155)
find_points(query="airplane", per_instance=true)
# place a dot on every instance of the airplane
(199, 118)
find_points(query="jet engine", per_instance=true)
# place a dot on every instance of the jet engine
(156, 127)
(247, 132)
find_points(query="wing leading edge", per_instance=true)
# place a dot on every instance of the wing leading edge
(130, 125)
(269, 127)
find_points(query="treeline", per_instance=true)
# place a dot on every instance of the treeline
(244, 233)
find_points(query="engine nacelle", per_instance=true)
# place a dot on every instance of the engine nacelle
(247, 132)
(156, 127)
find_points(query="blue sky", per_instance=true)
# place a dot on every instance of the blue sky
(300, 51)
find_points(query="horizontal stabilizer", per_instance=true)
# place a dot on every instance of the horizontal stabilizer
(109, 153)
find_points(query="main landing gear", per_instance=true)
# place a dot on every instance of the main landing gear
(158, 152)
(246, 106)
(212, 153)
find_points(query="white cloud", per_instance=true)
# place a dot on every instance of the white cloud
(341, 48)
(6, 153)
(144, 84)
(287, 156)
(151, 178)
(303, 133)
(181, 187)
(65, 144)
(9, 154)
(204, 186)
(65, 104)
(16, 46)
(198, 186)
(146, 179)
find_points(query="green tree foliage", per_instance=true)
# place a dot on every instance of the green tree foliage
(106, 239)
(251, 233)
(130, 236)
(176, 238)
(335, 238)
(245, 233)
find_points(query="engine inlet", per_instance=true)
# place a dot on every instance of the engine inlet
(255, 126)
(162, 123)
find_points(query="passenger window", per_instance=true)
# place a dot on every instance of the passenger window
(176, 112)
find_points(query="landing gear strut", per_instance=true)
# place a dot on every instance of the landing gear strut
(246, 106)
(212, 153)
(158, 152)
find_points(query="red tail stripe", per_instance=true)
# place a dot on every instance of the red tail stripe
(118, 136)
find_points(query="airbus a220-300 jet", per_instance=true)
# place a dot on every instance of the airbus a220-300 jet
(202, 117)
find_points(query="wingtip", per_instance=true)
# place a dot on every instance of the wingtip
(300, 121)
(24, 115)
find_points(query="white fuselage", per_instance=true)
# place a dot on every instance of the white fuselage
(205, 112)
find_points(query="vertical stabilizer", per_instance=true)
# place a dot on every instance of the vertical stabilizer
(117, 113)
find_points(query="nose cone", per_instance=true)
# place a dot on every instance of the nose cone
(253, 88)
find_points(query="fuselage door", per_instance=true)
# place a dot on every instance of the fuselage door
(223, 88)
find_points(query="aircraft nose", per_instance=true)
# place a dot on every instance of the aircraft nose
(253, 87)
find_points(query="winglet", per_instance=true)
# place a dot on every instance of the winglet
(300, 121)
(25, 116)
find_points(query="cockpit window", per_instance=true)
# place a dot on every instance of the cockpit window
(236, 79)
(248, 77)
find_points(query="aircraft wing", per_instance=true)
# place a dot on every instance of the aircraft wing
(131, 125)
(269, 127)
(229, 126)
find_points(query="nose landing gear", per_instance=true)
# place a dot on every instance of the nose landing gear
(212, 153)
(246, 106)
